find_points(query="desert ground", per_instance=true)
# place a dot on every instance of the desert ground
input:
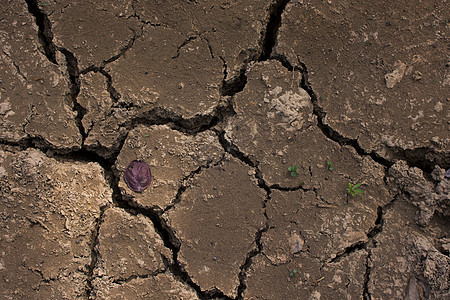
(298, 149)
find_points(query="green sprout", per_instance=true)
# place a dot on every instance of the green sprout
(330, 166)
(293, 273)
(354, 190)
(294, 170)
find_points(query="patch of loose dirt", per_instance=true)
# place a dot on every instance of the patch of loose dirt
(220, 98)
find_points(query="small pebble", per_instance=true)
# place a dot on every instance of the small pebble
(447, 173)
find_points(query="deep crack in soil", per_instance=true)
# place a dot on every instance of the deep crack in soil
(45, 30)
(94, 254)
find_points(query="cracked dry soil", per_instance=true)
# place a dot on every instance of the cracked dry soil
(220, 98)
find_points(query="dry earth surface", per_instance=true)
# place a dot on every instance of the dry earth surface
(220, 98)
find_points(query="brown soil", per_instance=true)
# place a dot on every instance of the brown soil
(220, 98)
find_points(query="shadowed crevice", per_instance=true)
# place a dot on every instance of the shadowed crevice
(74, 87)
(186, 42)
(423, 158)
(185, 181)
(267, 42)
(276, 186)
(124, 49)
(45, 34)
(234, 150)
(169, 239)
(196, 124)
(113, 93)
(94, 254)
(327, 130)
(37, 142)
(249, 258)
(348, 251)
(115, 57)
(373, 232)
(234, 85)
(133, 277)
(366, 295)
(236, 153)
(161, 116)
(248, 262)
(155, 215)
(269, 39)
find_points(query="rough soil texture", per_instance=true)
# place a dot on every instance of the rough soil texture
(220, 98)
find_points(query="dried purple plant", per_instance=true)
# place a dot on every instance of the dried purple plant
(137, 176)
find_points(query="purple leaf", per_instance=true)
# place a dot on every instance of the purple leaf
(137, 176)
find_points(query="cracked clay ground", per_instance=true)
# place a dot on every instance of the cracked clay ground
(220, 98)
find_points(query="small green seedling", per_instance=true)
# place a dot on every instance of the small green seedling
(354, 190)
(293, 273)
(294, 170)
(330, 166)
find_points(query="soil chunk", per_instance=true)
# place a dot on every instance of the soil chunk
(217, 224)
